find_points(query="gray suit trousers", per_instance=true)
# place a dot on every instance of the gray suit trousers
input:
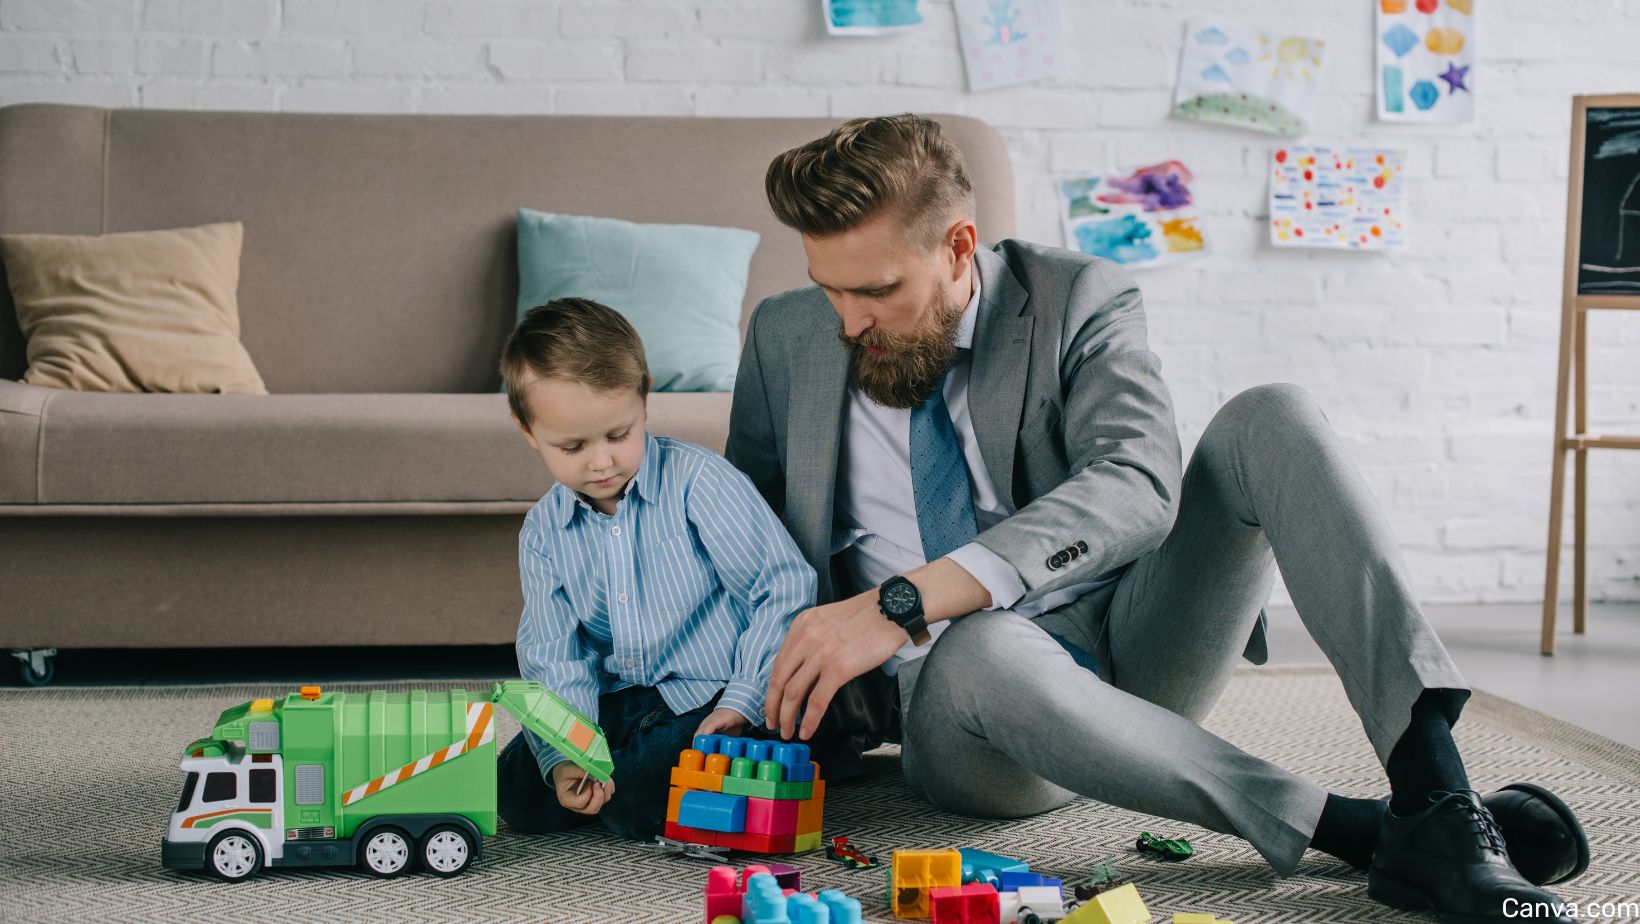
(999, 721)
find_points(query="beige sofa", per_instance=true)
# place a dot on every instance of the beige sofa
(374, 497)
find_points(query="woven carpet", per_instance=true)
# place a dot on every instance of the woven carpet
(89, 775)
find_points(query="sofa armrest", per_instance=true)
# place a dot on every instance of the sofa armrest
(22, 409)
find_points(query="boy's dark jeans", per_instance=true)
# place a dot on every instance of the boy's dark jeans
(644, 740)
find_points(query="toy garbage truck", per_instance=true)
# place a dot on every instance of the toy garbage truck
(378, 779)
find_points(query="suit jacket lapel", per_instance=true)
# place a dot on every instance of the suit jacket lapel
(819, 388)
(1001, 364)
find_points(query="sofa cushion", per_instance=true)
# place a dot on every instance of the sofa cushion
(680, 285)
(138, 311)
(279, 450)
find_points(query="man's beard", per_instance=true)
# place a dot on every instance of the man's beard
(912, 365)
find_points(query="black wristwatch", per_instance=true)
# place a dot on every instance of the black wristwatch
(901, 602)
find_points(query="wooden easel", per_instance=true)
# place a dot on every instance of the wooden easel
(1579, 297)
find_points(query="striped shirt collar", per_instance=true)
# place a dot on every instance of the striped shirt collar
(645, 484)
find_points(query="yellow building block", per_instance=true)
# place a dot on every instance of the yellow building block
(1117, 906)
(1196, 917)
(914, 872)
(806, 842)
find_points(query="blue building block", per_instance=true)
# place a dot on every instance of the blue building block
(708, 744)
(844, 910)
(1010, 882)
(804, 908)
(984, 866)
(712, 811)
(764, 903)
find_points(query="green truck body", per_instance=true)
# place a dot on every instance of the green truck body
(320, 779)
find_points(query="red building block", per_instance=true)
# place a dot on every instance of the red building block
(771, 816)
(756, 843)
(722, 893)
(690, 835)
(974, 903)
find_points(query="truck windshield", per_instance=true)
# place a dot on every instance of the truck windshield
(188, 791)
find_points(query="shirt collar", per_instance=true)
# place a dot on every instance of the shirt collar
(970, 315)
(645, 484)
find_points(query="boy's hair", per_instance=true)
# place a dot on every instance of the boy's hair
(575, 339)
(865, 166)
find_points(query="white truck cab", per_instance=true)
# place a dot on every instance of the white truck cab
(229, 801)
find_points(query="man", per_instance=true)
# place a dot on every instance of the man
(974, 448)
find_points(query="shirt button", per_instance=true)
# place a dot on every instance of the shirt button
(630, 664)
(621, 598)
(615, 530)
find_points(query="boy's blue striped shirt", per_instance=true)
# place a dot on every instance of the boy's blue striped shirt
(688, 588)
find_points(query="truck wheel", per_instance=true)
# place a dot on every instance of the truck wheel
(446, 850)
(386, 853)
(233, 856)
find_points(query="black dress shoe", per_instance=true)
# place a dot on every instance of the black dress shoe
(1451, 858)
(1546, 844)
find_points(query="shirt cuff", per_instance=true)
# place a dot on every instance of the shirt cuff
(998, 577)
(743, 698)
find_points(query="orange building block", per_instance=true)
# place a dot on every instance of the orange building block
(698, 771)
(809, 811)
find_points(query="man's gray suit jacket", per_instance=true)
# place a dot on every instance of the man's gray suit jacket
(1068, 406)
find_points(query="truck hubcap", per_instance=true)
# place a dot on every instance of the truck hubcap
(234, 857)
(387, 852)
(447, 851)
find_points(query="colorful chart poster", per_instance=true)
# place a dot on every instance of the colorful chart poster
(1247, 77)
(871, 17)
(1338, 198)
(1006, 42)
(1139, 218)
(1426, 55)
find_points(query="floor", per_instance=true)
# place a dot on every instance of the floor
(1593, 681)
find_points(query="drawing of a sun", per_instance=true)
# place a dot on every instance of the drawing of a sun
(1294, 57)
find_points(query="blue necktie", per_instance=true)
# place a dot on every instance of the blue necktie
(939, 479)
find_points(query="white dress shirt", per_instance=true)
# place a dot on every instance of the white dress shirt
(876, 512)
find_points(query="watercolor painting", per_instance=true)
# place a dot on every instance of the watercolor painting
(1426, 57)
(1007, 42)
(1338, 198)
(871, 17)
(1233, 74)
(1140, 218)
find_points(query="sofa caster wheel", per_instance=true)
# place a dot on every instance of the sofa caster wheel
(38, 667)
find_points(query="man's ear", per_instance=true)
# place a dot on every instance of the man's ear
(963, 240)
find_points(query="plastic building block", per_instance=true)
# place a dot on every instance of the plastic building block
(973, 903)
(806, 909)
(383, 763)
(913, 872)
(803, 843)
(1187, 917)
(789, 877)
(764, 901)
(844, 910)
(712, 811)
(771, 816)
(1013, 882)
(1039, 903)
(722, 892)
(757, 843)
(725, 919)
(810, 811)
(1121, 905)
(691, 773)
(1171, 849)
(984, 866)
(674, 798)
(677, 832)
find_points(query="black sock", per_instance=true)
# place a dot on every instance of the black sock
(1348, 828)
(1425, 760)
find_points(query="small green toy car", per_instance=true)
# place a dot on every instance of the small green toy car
(1170, 849)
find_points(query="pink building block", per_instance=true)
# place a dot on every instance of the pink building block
(771, 816)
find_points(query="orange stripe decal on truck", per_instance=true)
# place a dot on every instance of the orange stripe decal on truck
(480, 731)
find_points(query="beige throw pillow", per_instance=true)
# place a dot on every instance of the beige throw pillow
(137, 311)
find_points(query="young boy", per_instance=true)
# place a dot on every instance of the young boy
(657, 583)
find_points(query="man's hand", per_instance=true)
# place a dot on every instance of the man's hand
(577, 792)
(722, 721)
(827, 647)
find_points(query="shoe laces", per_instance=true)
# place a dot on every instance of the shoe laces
(1484, 825)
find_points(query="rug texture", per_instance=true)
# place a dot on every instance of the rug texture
(89, 776)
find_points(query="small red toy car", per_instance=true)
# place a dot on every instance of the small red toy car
(839, 850)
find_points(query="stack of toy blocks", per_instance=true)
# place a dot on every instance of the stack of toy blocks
(762, 896)
(746, 794)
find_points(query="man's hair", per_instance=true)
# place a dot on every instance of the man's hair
(575, 339)
(865, 166)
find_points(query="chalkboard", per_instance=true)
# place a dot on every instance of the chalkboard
(1608, 261)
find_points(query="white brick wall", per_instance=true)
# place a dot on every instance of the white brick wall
(1436, 366)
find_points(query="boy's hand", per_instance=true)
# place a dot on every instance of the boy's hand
(577, 792)
(722, 721)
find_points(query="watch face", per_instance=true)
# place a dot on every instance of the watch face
(900, 599)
